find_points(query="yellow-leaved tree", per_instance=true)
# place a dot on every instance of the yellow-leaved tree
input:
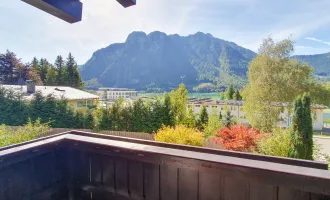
(276, 79)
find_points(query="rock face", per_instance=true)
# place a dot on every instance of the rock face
(163, 61)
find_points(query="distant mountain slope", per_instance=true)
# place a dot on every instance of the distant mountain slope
(162, 61)
(321, 63)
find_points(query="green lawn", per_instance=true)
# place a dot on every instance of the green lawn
(322, 135)
(214, 96)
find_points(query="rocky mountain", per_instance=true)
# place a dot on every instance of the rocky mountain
(158, 61)
(163, 61)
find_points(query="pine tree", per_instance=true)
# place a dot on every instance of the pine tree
(228, 120)
(203, 118)
(220, 116)
(229, 93)
(51, 77)
(168, 118)
(302, 129)
(44, 65)
(73, 78)
(237, 96)
(61, 73)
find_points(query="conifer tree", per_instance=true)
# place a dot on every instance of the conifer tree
(51, 77)
(203, 118)
(61, 73)
(229, 93)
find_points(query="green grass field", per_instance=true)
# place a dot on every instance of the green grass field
(214, 96)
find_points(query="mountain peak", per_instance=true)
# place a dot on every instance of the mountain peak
(136, 35)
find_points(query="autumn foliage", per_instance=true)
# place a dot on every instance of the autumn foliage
(238, 138)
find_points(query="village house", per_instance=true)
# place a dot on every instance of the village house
(236, 110)
(77, 99)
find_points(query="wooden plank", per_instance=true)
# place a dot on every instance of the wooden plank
(96, 169)
(136, 175)
(261, 191)
(210, 186)
(285, 193)
(151, 181)
(121, 177)
(108, 169)
(188, 184)
(19, 178)
(168, 182)
(43, 166)
(236, 189)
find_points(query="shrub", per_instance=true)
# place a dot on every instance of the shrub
(238, 138)
(180, 135)
(278, 143)
(31, 130)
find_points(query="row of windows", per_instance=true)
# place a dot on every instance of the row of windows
(81, 104)
(214, 106)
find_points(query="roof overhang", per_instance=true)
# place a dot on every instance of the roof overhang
(67, 10)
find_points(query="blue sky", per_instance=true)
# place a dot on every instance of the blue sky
(30, 32)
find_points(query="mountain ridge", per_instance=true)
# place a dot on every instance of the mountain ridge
(160, 61)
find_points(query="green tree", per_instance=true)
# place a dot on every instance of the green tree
(237, 96)
(190, 120)
(168, 117)
(179, 100)
(302, 129)
(228, 119)
(229, 93)
(273, 78)
(44, 66)
(61, 73)
(213, 124)
(9, 64)
(73, 78)
(203, 118)
(51, 77)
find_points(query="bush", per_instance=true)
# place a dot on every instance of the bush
(238, 138)
(31, 130)
(180, 135)
(276, 144)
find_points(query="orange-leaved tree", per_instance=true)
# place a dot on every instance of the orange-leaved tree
(238, 138)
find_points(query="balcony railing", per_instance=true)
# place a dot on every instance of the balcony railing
(79, 165)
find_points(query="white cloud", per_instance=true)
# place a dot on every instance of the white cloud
(317, 40)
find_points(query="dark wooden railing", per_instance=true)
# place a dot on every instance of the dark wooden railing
(80, 166)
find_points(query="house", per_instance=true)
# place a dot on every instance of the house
(236, 109)
(78, 99)
(113, 94)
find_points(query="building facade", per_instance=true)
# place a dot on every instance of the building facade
(113, 94)
(236, 110)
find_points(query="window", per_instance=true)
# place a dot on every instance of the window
(198, 106)
(81, 104)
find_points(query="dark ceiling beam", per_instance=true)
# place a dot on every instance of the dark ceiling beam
(68, 10)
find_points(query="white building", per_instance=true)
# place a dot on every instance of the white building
(113, 94)
(236, 109)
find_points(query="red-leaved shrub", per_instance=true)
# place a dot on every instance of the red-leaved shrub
(238, 138)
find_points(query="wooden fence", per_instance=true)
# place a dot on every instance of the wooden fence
(137, 135)
(85, 166)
